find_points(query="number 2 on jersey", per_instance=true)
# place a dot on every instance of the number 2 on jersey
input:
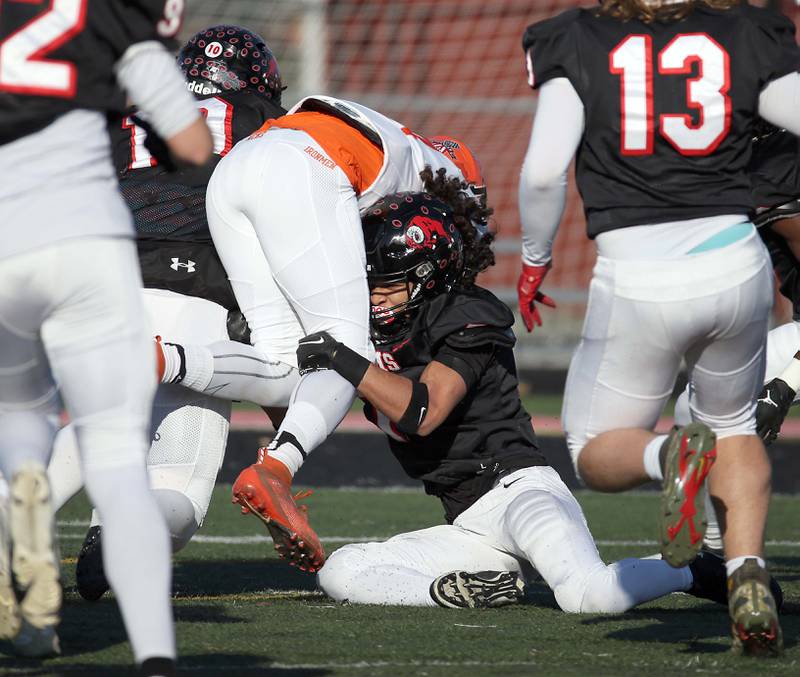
(706, 93)
(23, 66)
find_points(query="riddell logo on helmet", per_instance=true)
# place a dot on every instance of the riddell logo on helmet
(202, 88)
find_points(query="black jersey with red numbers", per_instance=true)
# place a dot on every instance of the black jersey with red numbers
(488, 434)
(169, 207)
(58, 56)
(669, 107)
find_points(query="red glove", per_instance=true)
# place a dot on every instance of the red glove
(528, 292)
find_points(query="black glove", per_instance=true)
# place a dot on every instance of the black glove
(322, 351)
(772, 407)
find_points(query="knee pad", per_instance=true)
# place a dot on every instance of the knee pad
(188, 448)
(335, 576)
(180, 515)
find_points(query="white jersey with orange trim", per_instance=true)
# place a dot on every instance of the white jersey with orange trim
(405, 153)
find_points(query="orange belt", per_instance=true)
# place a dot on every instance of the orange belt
(359, 158)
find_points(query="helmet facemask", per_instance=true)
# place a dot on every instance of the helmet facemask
(411, 239)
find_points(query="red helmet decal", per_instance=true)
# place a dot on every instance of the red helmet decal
(423, 232)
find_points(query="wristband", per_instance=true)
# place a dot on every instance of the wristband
(791, 375)
(417, 408)
(349, 364)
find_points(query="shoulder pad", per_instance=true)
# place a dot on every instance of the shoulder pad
(550, 27)
(475, 337)
(470, 318)
(767, 19)
(551, 49)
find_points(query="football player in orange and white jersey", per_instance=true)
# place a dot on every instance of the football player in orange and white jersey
(284, 210)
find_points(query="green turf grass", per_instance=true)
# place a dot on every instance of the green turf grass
(241, 612)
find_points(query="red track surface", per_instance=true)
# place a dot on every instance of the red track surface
(545, 425)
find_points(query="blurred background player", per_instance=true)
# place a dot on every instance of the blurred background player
(284, 212)
(187, 297)
(681, 272)
(71, 320)
(444, 390)
(776, 188)
(775, 175)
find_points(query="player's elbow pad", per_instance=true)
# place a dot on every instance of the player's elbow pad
(147, 72)
(417, 410)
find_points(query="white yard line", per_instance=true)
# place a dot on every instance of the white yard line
(258, 539)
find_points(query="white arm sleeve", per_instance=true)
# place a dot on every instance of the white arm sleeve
(779, 102)
(148, 74)
(557, 130)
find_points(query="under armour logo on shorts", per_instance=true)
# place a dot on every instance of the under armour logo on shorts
(177, 264)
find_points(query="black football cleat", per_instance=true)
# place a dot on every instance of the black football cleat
(755, 626)
(710, 580)
(90, 578)
(157, 667)
(463, 590)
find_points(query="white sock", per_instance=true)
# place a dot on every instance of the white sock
(624, 584)
(136, 556)
(319, 403)
(287, 453)
(192, 366)
(173, 362)
(733, 564)
(652, 461)
(713, 537)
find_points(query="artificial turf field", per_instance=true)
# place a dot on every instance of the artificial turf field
(240, 611)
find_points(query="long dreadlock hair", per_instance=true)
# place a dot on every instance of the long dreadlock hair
(478, 254)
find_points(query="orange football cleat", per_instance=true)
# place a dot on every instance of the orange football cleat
(264, 489)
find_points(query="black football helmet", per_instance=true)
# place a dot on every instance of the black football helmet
(227, 58)
(412, 238)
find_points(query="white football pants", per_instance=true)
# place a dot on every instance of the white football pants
(288, 231)
(530, 519)
(188, 430)
(782, 343)
(71, 319)
(645, 316)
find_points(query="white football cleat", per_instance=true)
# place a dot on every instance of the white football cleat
(10, 620)
(34, 562)
(36, 642)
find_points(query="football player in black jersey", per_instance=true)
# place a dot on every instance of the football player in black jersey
(237, 85)
(445, 392)
(775, 174)
(776, 187)
(70, 308)
(659, 101)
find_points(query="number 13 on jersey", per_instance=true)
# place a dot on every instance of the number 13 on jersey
(706, 93)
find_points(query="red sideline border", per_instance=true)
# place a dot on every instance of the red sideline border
(545, 425)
